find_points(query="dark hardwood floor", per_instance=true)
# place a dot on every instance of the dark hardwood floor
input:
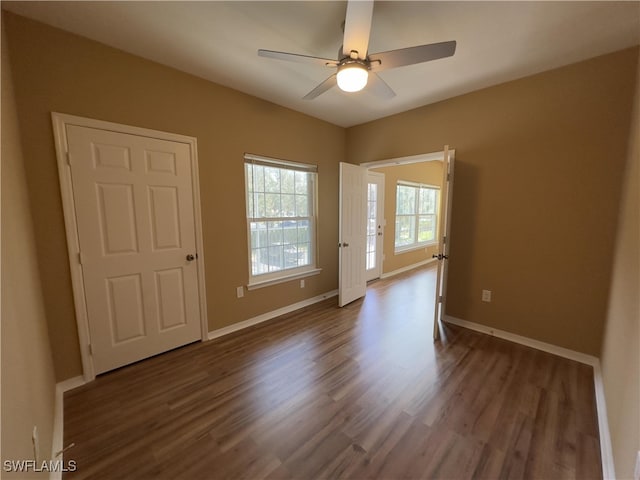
(357, 392)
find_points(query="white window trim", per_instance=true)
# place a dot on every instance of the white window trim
(282, 279)
(273, 278)
(416, 245)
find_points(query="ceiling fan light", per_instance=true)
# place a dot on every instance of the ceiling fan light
(352, 77)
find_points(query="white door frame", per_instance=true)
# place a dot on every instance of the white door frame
(60, 122)
(429, 157)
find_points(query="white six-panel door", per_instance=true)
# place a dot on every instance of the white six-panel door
(352, 282)
(134, 207)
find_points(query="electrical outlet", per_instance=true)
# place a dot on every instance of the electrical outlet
(302, 283)
(636, 471)
(486, 295)
(240, 292)
(36, 444)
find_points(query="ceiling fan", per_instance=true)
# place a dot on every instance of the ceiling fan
(355, 67)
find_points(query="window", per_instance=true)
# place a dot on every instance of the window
(372, 219)
(416, 215)
(281, 219)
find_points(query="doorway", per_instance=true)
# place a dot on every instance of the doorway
(418, 233)
(375, 224)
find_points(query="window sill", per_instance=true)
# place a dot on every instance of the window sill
(413, 248)
(288, 278)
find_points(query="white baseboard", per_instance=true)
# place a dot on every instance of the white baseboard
(269, 315)
(57, 444)
(606, 451)
(529, 342)
(408, 267)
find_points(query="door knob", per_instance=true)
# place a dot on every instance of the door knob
(191, 257)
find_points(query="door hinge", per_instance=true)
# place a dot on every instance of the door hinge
(80, 258)
(68, 158)
(448, 177)
(440, 299)
(90, 350)
(444, 239)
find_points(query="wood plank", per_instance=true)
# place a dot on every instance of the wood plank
(357, 392)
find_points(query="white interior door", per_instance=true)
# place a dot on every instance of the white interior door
(352, 281)
(444, 227)
(375, 224)
(133, 198)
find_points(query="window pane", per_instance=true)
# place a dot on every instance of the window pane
(258, 234)
(276, 258)
(371, 226)
(249, 200)
(259, 205)
(259, 261)
(303, 231)
(288, 181)
(371, 244)
(304, 254)
(275, 233)
(405, 230)
(405, 200)
(258, 178)
(372, 210)
(302, 205)
(302, 182)
(290, 256)
(272, 204)
(373, 192)
(272, 179)
(290, 232)
(248, 175)
(371, 260)
(428, 201)
(288, 204)
(427, 228)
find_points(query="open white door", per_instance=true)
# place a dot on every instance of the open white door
(444, 226)
(352, 281)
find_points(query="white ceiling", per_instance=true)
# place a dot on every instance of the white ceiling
(497, 42)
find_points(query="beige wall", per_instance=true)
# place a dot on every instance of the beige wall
(429, 173)
(539, 165)
(621, 343)
(28, 382)
(61, 72)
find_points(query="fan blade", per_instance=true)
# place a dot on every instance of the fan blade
(323, 87)
(409, 56)
(294, 57)
(379, 87)
(357, 26)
